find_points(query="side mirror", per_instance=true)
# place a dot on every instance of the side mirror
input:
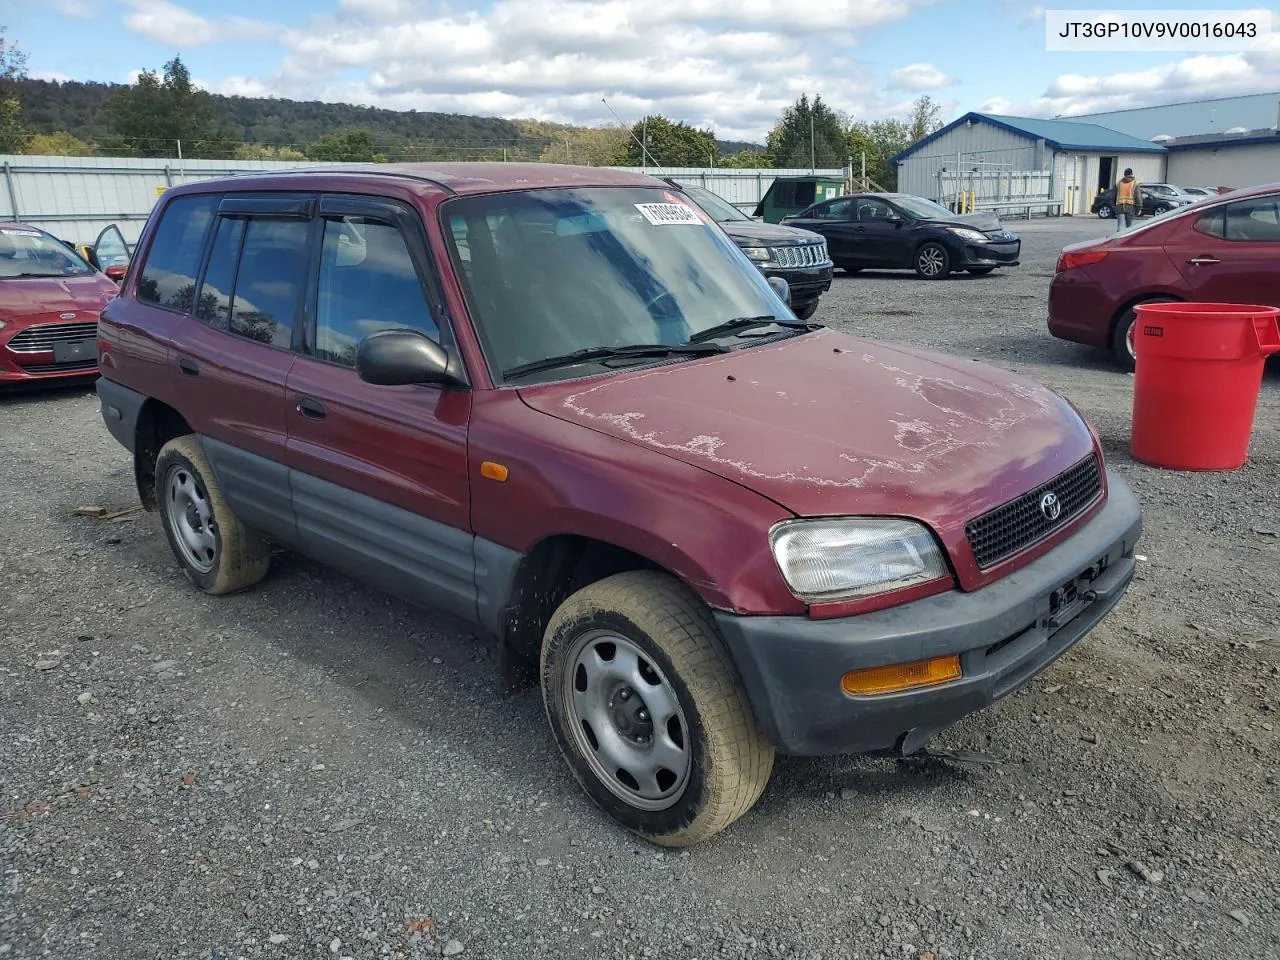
(392, 358)
(116, 273)
(893, 218)
(782, 289)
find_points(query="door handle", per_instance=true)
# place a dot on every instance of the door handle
(188, 367)
(1203, 261)
(311, 409)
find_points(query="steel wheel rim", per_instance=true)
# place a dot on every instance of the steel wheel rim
(931, 261)
(610, 725)
(190, 518)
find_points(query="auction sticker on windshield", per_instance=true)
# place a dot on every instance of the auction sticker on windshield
(661, 214)
(19, 232)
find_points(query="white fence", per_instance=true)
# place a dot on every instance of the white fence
(75, 197)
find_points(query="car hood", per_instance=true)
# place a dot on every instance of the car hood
(28, 296)
(828, 424)
(743, 231)
(986, 222)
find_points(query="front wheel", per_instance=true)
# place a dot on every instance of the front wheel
(805, 311)
(1105, 212)
(648, 710)
(933, 262)
(216, 551)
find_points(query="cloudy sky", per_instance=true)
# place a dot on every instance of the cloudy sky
(727, 64)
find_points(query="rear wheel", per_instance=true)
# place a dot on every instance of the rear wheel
(807, 310)
(980, 271)
(648, 710)
(933, 262)
(1160, 208)
(1122, 346)
(216, 551)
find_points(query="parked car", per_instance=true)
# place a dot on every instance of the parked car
(896, 231)
(713, 531)
(797, 256)
(50, 298)
(1157, 199)
(1223, 249)
(1199, 192)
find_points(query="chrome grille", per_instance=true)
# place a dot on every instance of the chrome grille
(803, 255)
(1018, 524)
(40, 339)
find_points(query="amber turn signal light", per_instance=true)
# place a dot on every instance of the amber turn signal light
(900, 676)
(493, 471)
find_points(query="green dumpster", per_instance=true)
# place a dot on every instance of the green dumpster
(789, 195)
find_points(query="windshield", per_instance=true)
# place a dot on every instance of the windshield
(923, 209)
(550, 272)
(720, 209)
(25, 252)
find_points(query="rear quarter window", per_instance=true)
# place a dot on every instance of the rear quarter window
(168, 277)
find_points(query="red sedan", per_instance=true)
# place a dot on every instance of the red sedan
(50, 298)
(1223, 249)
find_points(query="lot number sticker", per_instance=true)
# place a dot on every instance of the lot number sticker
(662, 214)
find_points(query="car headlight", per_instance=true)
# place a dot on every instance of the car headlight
(758, 254)
(839, 559)
(964, 233)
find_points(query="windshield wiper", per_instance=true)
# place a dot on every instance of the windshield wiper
(604, 353)
(740, 324)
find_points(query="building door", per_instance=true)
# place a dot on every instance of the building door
(1106, 172)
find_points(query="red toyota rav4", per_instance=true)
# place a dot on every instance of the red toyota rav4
(562, 404)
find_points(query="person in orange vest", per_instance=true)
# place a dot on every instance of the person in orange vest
(1127, 200)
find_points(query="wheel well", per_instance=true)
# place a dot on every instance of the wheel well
(1144, 298)
(158, 423)
(548, 574)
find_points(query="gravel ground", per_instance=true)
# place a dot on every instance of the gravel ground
(312, 769)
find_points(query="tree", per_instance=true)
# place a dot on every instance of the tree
(879, 140)
(669, 144)
(13, 68)
(747, 159)
(154, 115)
(59, 144)
(351, 146)
(259, 151)
(924, 118)
(808, 133)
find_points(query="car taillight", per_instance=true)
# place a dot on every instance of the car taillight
(1082, 258)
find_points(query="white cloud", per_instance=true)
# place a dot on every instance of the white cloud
(79, 9)
(167, 23)
(1032, 14)
(1191, 78)
(51, 75)
(919, 77)
(728, 64)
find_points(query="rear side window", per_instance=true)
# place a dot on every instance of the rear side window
(270, 280)
(1255, 221)
(214, 307)
(168, 276)
(367, 283)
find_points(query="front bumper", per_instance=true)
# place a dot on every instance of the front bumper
(1005, 634)
(806, 283)
(1001, 254)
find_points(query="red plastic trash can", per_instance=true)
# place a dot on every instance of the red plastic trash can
(1199, 369)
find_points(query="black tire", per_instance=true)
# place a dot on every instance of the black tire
(1160, 208)
(850, 269)
(226, 556)
(980, 271)
(1121, 343)
(1106, 212)
(932, 261)
(726, 761)
(805, 310)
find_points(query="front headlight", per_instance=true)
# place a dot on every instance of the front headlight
(964, 233)
(758, 254)
(840, 559)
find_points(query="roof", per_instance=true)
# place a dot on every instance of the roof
(1252, 138)
(462, 178)
(1058, 134)
(1178, 103)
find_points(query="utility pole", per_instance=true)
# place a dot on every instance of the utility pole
(812, 163)
(181, 175)
(644, 147)
(644, 153)
(567, 155)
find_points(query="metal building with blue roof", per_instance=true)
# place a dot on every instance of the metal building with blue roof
(1055, 165)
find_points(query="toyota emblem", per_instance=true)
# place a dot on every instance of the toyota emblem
(1051, 506)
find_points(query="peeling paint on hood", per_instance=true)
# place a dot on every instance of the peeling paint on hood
(829, 424)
